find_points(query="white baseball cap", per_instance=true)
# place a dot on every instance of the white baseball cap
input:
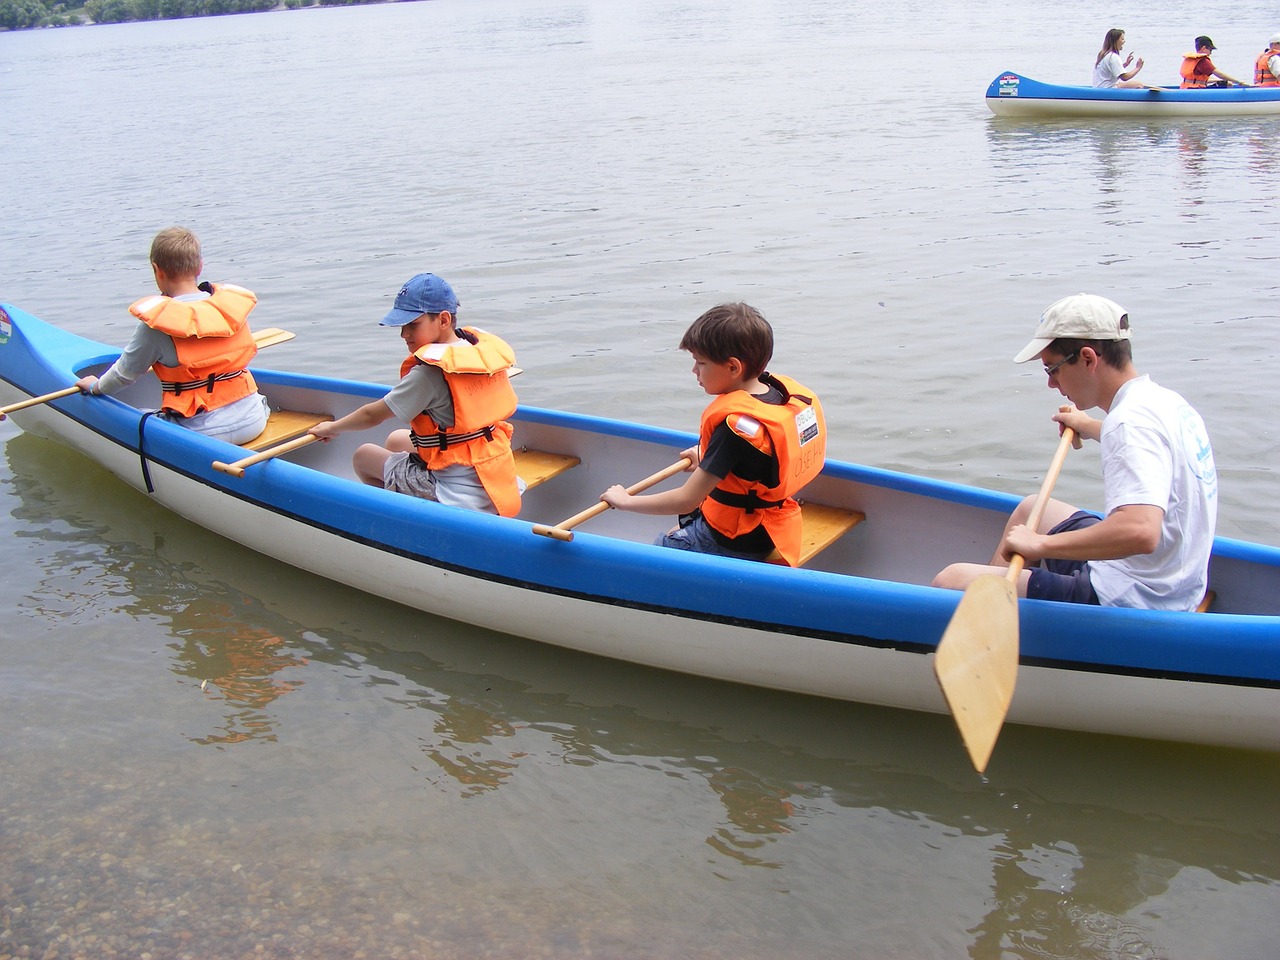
(1084, 316)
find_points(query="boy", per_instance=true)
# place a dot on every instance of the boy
(196, 338)
(1158, 478)
(1197, 68)
(455, 393)
(761, 440)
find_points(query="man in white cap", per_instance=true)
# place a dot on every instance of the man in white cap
(1151, 550)
(1266, 71)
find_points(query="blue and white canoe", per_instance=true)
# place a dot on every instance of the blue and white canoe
(858, 622)
(1013, 95)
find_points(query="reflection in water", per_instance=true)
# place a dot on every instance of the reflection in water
(1073, 841)
(1129, 154)
(220, 635)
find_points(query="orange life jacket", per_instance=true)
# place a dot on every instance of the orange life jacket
(1262, 75)
(214, 344)
(1188, 71)
(795, 434)
(483, 398)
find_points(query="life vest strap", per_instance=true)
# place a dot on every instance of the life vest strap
(445, 440)
(178, 386)
(749, 501)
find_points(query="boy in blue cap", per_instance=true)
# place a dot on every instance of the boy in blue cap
(456, 395)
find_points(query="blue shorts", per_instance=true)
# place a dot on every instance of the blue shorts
(1066, 581)
(696, 536)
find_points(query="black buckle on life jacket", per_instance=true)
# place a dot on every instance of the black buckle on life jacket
(444, 440)
(749, 502)
(176, 387)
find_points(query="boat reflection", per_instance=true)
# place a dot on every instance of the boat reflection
(1081, 835)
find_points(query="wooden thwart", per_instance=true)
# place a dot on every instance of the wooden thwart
(821, 526)
(537, 466)
(285, 425)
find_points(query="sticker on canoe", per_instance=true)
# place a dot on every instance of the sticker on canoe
(1009, 85)
(6, 327)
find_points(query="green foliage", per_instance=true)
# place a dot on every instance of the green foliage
(17, 14)
(23, 14)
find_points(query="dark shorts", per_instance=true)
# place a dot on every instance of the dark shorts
(1066, 581)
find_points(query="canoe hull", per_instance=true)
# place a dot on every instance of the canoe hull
(814, 631)
(1012, 95)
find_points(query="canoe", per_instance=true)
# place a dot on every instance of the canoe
(1013, 95)
(857, 622)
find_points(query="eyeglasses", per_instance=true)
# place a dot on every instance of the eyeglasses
(1052, 369)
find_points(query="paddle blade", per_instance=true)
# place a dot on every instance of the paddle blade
(977, 663)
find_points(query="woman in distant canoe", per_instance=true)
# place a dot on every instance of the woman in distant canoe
(1109, 70)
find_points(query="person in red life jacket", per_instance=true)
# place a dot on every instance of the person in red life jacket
(1198, 70)
(761, 440)
(455, 394)
(196, 338)
(1266, 71)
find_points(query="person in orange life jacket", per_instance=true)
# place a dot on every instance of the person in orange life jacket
(455, 393)
(762, 438)
(1197, 68)
(1266, 70)
(196, 338)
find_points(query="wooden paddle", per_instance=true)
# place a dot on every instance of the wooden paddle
(271, 336)
(977, 659)
(564, 529)
(23, 404)
(237, 469)
(262, 338)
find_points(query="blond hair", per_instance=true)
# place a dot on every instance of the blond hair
(176, 251)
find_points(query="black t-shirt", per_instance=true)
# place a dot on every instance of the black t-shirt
(727, 453)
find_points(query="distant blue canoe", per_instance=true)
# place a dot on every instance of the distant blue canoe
(1013, 95)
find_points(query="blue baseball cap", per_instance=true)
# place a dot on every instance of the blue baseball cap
(425, 293)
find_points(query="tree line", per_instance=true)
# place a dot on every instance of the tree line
(24, 14)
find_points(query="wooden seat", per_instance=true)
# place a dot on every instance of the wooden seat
(536, 466)
(821, 527)
(1207, 602)
(285, 425)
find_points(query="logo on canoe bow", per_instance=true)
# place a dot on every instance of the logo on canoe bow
(1009, 85)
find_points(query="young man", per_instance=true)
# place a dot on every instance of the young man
(196, 338)
(762, 438)
(1152, 548)
(1198, 69)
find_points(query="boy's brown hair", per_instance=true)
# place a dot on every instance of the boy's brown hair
(732, 330)
(176, 251)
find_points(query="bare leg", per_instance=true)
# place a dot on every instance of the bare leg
(1055, 511)
(369, 461)
(398, 442)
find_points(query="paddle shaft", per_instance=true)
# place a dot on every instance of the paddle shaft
(237, 469)
(23, 404)
(563, 529)
(264, 338)
(1017, 561)
(977, 659)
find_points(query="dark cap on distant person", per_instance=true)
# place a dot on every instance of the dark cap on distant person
(425, 293)
(1204, 42)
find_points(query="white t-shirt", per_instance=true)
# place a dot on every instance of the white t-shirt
(1108, 70)
(1155, 450)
